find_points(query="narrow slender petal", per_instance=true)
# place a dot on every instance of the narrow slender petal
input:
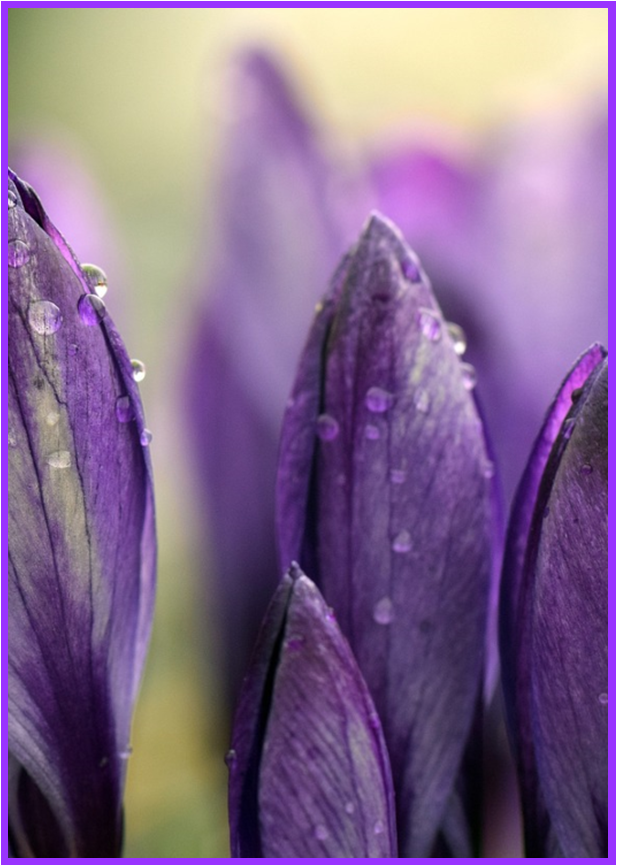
(81, 547)
(310, 775)
(554, 622)
(273, 246)
(384, 494)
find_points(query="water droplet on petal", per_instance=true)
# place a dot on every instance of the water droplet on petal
(52, 419)
(398, 476)
(349, 807)
(124, 410)
(12, 198)
(139, 370)
(18, 253)
(378, 399)
(341, 479)
(586, 469)
(321, 832)
(145, 437)
(12, 439)
(73, 349)
(603, 698)
(59, 460)
(378, 828)
(457, 335)
(330, 615)
(470, 378)
(371, 432)
(429, 324)
(92, 309)
(97, 279)
(422, 400)
(327, 428)
(576, 394)
(402, 542)
(374, 721)
(489, 469)
(125, 754)
(231, 759)
(568, 427)
(295, 642)
(411, 271)
(44, 317)
(383, 612)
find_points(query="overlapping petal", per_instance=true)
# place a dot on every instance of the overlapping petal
(384, 494)
(554, 621)
(81, 547)
(310, 776)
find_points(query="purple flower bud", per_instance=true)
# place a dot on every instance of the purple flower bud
(554, 621)
(81, 548)
(309, 771)
(385, 496)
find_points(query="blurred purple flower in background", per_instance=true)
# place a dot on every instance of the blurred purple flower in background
(554, 617)
(81, 550)
(309, 771)
(275, 242)
(513, 235)
(385, 496)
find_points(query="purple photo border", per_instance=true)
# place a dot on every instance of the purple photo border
(612, 313)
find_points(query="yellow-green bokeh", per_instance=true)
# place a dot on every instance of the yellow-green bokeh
(140, 91)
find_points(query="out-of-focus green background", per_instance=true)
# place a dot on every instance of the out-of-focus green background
(138, 91)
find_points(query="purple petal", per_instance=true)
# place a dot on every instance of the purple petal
(389, 506)
(81, 547)
(569, 630)
(273, 246)
(515, 623)
(310, 775)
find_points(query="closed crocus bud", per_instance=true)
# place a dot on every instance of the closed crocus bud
(309, 771)
(385, 497)
(81, 547)
(554, 621)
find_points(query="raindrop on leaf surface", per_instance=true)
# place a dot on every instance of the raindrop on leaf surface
(17, 253)
(378, 399)
(92, 309)
(327, 428)
(139, 370)
(44, 317)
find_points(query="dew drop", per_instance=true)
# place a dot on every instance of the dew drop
(489, 469)
(349, 807)
(321, 832)
(96, 278)
(341, 479)
(44, 317)
(378, 828)
(586, 469)
(59, 460)
(330, 615)
(295, 642)
(568, 427)
(576, 394)
(470, 378)
(457, 335)
(125, 754)
(429, 324)
(145, 437)
(383, 612)
(73, 349)
(374, 721)
(327, 428)
(124, 410)
(92, 309)
(12, 198)
(402, 542)
(398, 476)
(12, 439)
(422, 400)
(372, 432)
(603, 698)
(378, 399)
(52, 419)
(139, 370)
(18, 253)
(411, 271)
(231, 758)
